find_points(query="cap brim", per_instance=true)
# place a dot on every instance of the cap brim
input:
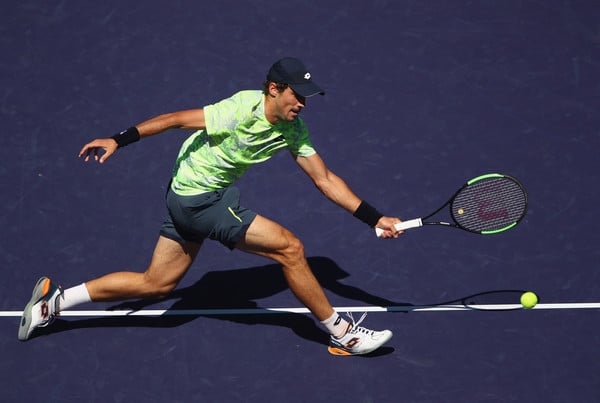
(307, 89)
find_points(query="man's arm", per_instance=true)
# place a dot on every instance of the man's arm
(188, 119)
(336, 190)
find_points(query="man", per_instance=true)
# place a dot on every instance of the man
(231, 135)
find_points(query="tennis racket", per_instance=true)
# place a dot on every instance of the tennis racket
(487, 204)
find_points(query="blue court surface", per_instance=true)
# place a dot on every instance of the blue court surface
(421, 96)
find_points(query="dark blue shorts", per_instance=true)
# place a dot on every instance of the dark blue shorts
(215, 215)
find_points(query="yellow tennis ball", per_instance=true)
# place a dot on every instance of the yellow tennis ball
(529, 300)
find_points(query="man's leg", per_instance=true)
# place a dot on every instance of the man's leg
(267, 238)
(170, 261)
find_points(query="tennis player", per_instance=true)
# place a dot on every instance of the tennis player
(230, 137)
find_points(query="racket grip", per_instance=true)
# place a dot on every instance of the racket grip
(401, 226)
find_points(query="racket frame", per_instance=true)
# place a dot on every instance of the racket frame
(419, 222)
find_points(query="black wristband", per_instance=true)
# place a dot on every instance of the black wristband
(126, 137)
(367, 214)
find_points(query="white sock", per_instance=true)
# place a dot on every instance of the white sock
(74, 296)
(336, 325)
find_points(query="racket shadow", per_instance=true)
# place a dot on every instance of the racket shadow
(236, 290)
(494, 300)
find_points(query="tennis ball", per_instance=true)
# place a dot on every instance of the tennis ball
(529, 299)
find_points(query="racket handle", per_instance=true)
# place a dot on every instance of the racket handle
(401, 226)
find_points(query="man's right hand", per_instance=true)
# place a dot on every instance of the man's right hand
(109, 146)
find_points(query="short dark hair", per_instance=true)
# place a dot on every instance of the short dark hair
(280, 87)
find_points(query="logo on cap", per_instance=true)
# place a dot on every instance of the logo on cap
(292, 71)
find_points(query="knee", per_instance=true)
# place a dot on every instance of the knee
(156, 289)
(163, 291)
(294, 249)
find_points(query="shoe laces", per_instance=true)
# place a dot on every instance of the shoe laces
(355, 324)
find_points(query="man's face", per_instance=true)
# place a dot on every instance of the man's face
(288, 104)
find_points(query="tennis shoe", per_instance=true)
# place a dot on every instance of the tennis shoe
(42, 308)
(358, 340)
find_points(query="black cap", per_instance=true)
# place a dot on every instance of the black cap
(292, 72)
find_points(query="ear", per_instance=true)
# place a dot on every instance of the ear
(273, 91)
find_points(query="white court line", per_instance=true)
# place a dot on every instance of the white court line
(263, 311)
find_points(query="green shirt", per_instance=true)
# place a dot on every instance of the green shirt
(237, 136)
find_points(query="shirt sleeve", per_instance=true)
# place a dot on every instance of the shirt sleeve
(220, 117)
(223, 117)
(298, 140)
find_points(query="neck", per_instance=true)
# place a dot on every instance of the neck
(270, 114)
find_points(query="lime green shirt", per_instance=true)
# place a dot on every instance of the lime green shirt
(237, 136)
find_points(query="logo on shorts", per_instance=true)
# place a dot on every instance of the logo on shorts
(234, 214)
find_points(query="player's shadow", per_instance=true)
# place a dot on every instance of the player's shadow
(235, 289)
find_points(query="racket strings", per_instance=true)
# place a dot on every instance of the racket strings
(489, 205)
